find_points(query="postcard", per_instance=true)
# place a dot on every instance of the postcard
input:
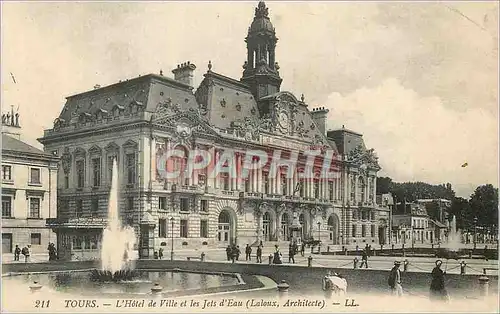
(244, 157)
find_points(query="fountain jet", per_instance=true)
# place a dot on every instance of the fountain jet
(118, 242)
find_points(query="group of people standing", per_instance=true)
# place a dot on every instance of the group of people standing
(437, 287)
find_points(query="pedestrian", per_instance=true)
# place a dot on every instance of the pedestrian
(438, 291)
(160, 253)
(364, 259)
(17, 252)
(277, 255)
(26, 252)
(291, 253)
(248, 252)
(238, 252)
(259, 254)
(302, 249)
(233, 253)
(395, 280)
(228, 252)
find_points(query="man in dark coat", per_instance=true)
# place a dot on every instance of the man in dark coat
(248, 253)
(259, 254)
(438, 291)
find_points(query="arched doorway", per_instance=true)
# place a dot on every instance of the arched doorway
(266, 226)
(285, 223)
(333, 227)
(224, 231)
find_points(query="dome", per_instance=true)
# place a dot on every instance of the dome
(261, 21)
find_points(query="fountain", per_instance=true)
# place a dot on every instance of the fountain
(118, 242)
(452, 246)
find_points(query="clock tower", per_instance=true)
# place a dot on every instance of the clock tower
(260, 72)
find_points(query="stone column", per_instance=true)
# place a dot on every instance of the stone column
(259, 180)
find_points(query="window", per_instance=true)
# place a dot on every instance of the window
(204, 205)
(225, 181)
(110, 167)
(77, 242)
(96, 171)
(95, 207)
(202, 180)
(372, 214)
(204, 229)
(284, 184)
(36, 239)
(34, 207)
(353, 189)
(265, 177)
(80, 173)
(316, 189)
(354, 231)
(330, 190)
(130, 168)
(184, 204)
(162, 202)
(363, 231)
(6, 173)
(66, 181)
(373, 231)
(130, 203)
(162, 228)
(79, 208)
(302, 189)
(35, 175)
(184, 228)
(247, 185)
(6, 206)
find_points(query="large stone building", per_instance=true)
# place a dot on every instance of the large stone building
(138, 120)
(29, 190)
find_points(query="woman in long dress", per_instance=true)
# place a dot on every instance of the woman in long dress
(438, 290)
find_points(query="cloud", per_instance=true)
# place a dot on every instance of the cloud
(418, 138)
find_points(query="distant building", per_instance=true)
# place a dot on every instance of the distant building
(29, 190)
(412, 224)
(439, 207)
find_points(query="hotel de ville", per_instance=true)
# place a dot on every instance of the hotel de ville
(138, 119)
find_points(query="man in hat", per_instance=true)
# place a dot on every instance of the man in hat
(395, 280)
(438, 291)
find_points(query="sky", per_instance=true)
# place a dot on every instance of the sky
(418, 79)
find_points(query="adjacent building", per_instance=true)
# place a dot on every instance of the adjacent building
(138, 120)
(29, 190)
(411, 224)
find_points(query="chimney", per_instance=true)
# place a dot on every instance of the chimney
(185, 73)
(319, 116)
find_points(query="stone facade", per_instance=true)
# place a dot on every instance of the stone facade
(141, 119)
(29, 192)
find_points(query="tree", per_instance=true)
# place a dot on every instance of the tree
(484, 206)
(383, 185)
(461, 209)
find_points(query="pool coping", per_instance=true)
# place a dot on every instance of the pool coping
(246, 283)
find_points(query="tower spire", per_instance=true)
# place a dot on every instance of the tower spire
(261, 69)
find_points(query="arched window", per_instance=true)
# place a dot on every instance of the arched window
(266, 226)
(284, 226)
(361, 189)
(284, 184)
(332, 229)
(353, 189)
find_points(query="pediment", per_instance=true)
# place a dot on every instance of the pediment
(186, 123)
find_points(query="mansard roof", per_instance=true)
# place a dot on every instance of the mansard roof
(225, 99)
(144, 91)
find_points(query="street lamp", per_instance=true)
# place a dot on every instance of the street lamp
(172, 246)
(319, 229)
